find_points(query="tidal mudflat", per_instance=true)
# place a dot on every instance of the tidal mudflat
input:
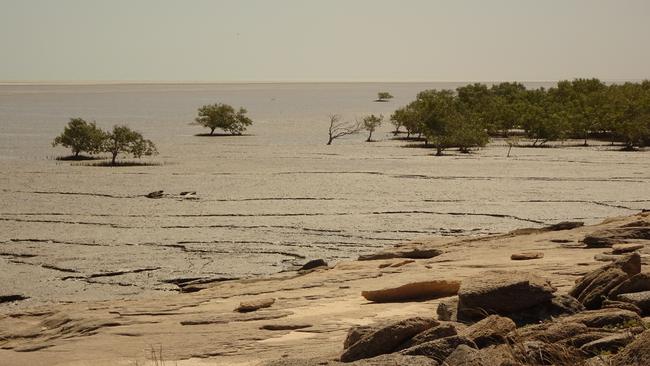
(267, 201)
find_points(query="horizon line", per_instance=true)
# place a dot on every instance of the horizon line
(244, 82)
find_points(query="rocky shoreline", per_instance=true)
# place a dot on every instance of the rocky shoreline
(530, 297)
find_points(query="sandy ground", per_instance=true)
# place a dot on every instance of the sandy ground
(201, 328)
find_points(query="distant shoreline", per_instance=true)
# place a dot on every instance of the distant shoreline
(190, 82)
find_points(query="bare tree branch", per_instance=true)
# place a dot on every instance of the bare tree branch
(340, 128)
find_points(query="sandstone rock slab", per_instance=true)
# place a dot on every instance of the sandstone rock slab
(526, 256)
(253, 305)
(414, 291)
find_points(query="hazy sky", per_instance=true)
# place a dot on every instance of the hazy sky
(325, 40)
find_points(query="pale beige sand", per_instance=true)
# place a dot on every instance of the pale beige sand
(121, 332)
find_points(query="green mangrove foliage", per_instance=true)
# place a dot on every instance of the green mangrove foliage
(577, 109)
(224, 117)
(371, 123)
(81, 136)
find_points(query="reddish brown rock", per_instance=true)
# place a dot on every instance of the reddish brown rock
(248, 306)
(526, 256)
(626, 248)
(501, 292)
(414, 291)
(591, 289)
(491, 330)
(386, 339)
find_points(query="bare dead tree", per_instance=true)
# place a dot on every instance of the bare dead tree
(338, 128)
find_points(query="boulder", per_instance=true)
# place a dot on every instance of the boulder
(356, 333)
(501, 292)
(526, 256)
(314, 263)
(248, 306)
(465, 356)
(439, 349)
(501, 354)
(608, 237)
(637, 353)
(610, 344)
(441, 331)
(637, 283)
(489, 331)
(414, 291)
(412, 253)
(593, 294)
(594, 286)
(639, 299)
(386, 339)
(626, 248)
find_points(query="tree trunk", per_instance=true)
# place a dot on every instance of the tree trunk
(114, 157)
(329, 142)
(212, 131)
(509, 148)
(76, 153)
(369, 137)
(438, 151)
